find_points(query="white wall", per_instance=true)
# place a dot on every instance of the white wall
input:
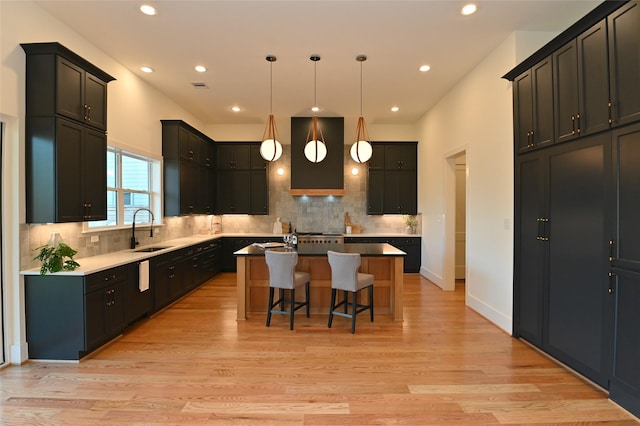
(134, 111)
(476, 117)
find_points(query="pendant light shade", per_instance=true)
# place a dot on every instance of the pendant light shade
(270, 149)
(315, 149)
(361, 150)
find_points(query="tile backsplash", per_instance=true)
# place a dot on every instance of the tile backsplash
(323, 214)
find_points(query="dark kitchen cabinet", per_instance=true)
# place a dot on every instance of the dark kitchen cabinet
(561, 296)
(624, 62)
(105, 306)
(392, 183)
(242, 179)
(66, 172)
(581, 90)
(65, 143)
(233, 244)
(533, 107)
(69, 316)
(59, 82)
(625, 272)
(165, 273)
(189, 171)
(211, 263)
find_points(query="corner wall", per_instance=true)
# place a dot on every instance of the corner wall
(476, 117)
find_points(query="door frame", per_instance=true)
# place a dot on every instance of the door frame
(449, 261)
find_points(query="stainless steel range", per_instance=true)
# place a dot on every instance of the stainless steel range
(319, 238)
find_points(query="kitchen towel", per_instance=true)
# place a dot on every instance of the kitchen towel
(143, 276)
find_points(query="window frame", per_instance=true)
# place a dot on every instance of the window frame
(155, 188)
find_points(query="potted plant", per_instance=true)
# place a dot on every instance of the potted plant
(53, 258)
(412, 222)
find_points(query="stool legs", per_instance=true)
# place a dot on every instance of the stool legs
(283, 302)
(356, 308)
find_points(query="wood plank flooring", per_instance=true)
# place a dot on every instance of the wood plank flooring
(195, 364)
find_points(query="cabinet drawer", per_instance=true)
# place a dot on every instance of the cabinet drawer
(103, 278)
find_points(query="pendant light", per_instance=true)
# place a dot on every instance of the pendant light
(361, 150)
(270, 149)
(315, 149)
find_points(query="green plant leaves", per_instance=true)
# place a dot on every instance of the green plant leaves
(53, 258)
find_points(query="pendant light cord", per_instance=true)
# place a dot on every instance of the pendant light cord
(360, 88)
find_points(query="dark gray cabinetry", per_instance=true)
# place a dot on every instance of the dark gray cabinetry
(233, 244)
(533, 107)
(561, 296)
(242, 183)
(65, 143)
(166, 275)
(625, 272)
(68, 316)
(138, 304)
(392, 184)
(189, 171)
(581, 92)
(408, 244)
(624, 62)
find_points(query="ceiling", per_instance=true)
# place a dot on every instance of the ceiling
(232, 39)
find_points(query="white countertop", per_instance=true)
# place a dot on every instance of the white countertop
(93, 264)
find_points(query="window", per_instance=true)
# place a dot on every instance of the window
(132, 184)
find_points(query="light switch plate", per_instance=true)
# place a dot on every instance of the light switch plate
(95, 238)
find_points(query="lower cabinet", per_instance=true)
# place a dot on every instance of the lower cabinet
(69, 316)
(138, 304)
(408, 244)
(233, 244)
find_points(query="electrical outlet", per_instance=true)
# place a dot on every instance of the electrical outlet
(95, 238)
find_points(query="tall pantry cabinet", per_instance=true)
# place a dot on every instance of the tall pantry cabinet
(577, 202)
(65, 141)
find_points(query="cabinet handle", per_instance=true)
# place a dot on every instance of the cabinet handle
(573, 124)
(612, 287)
(578, 123)
(88, 117)
(612, 246)
(610, 112)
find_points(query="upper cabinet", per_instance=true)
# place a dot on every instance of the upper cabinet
(581, 83)
(533, 105)
(189, 173)
(580, 77)
(65, 139)
(59, 82)
(392, 184)
(624, 62)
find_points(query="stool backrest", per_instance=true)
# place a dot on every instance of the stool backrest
(281, 268)
(344, 270)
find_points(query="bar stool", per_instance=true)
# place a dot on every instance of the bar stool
(345, 277)
(283, 276)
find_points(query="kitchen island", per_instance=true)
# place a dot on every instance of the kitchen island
(384, 261)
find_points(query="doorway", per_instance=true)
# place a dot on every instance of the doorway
(455, 214)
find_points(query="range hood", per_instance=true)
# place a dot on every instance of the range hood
(323, 178)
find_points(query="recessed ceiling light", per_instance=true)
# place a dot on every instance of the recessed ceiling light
(146, 69)
(469, 9)
(200, 68)
(395, 109)
(148, 9)
(315, 109)
(425, 68)
(235, 109)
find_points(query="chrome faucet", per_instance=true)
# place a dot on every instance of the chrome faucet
(133, 242)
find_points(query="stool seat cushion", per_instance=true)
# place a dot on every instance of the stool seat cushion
(282, 273)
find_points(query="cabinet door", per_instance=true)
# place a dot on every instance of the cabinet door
(115, 309)
(241, 191)
(408, 192)
(69, 139)
(400, 156)
(95, 318)
(94, 175)
(542, 103)
(259, 192)
(138, 303)
(96, 102)
(565, 73)
(70, 90)
(530, 247)
(523, 111)
(624, 62)
(593, 78)
(376, 162)
(578, 301)
(375, 192)
(205, 188)
(242, 156)
(224, 191)
(187, 144)
(189, 180)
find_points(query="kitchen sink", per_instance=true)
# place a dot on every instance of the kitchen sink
(150, 249)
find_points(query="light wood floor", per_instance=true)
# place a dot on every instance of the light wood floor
(194, 364)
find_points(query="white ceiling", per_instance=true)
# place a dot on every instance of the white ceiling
(232, 39)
